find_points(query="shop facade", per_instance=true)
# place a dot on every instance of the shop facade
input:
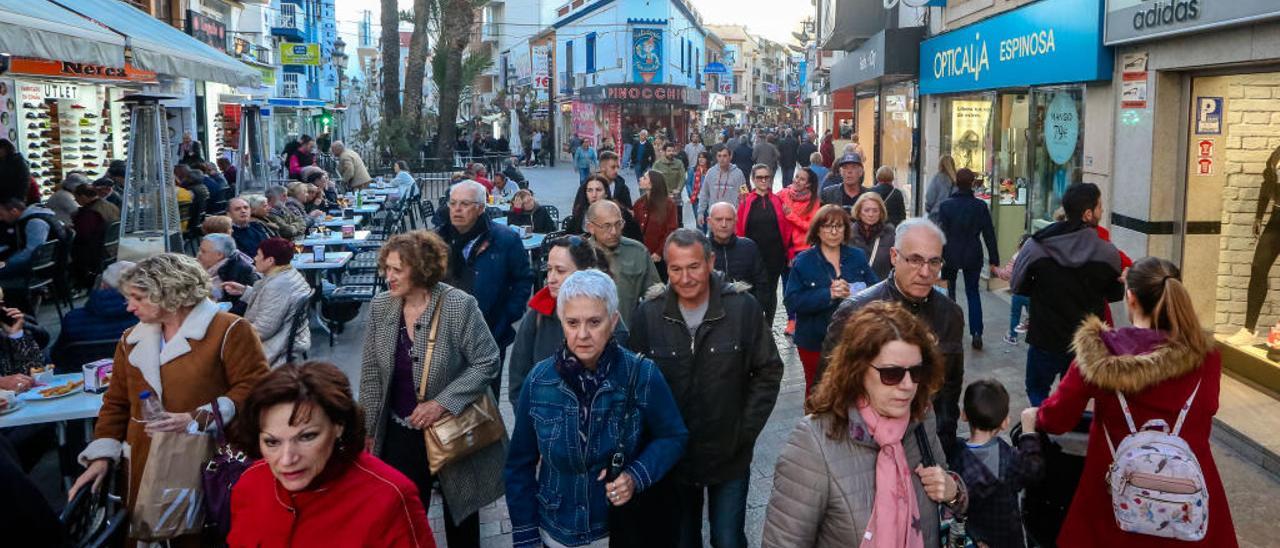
(881, 78)
(620, 111)
(66, 116)
(1024, 100)
(1198, 129)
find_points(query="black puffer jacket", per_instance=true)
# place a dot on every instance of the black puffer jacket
(739, 261)
(725, 378)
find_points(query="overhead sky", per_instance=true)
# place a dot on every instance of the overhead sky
(772, 20)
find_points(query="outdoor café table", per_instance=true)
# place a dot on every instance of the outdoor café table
(334, 237)
(383, 192)
(306, 263)
(79, 406)
(338, 222)
(534, 241)
(367, 209)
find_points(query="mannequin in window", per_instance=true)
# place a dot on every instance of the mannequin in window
(1264, 254)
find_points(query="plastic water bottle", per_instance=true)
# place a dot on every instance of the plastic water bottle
(152, 409)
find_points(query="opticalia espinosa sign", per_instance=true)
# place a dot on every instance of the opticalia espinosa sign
(1046, 42)
(1134, 20)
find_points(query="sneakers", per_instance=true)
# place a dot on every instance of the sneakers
(1023, 326)
(1244, 337)
(1011, 339)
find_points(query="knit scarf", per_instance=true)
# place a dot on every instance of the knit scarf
(800, 196)
(895, 518)
(584, 382)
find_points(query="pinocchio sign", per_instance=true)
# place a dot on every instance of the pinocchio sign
(72, 69)
(637, 93)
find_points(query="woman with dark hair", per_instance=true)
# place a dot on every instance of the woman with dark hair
(693, 183)
(964, 219)
(594, 189)
(526, 211)
(402, 395)
(403, 180)
(315, 485)
(298, 155)
(852, 472)
(1164, 367)
(799, 204)
(821, 277)
(656, 213)
(540, 333)
(760, 217)
(15, 175)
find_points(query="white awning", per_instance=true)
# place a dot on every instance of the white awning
(39, 28)
(160, 48)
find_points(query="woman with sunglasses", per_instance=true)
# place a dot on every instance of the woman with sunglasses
(761, 218)
(821, 277)
(540, 334)
(853, 472)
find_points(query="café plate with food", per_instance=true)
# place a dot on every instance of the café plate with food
(58, 389)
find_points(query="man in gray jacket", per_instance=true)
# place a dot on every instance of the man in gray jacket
(724, 182)
(765, 152)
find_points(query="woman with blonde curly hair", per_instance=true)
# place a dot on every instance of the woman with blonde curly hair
(184, 352)
(463, 362)
(853, 473)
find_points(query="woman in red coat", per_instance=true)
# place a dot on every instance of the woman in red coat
(315, 485)
(656, 213)
(1156, 364)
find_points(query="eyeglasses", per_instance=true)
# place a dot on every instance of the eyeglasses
(917, 261)
(462, 203)
(836, 227)
(615, 227)
(891, 375)
(763, 177)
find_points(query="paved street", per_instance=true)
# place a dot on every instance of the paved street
(1250, 489)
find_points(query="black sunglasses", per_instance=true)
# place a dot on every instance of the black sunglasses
(891, 375)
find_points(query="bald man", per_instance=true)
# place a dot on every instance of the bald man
(737, 257)
(633, 269)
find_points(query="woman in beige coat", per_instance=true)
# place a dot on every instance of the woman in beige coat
(851, 474)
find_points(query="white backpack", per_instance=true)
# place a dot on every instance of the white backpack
(1157, 486)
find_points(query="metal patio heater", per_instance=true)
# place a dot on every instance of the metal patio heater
(253, 152)
(149, 220)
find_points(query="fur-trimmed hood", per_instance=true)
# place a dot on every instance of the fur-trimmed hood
(657, 290)
(1129, 359)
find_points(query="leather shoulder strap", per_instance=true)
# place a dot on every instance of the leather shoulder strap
(431, 344)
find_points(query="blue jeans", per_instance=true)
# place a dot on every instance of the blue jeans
(971, 294)
(1043, 367)
(583, 173)
(726, 510)
(1016, 306)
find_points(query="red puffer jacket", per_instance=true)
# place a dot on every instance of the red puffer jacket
(362, 503)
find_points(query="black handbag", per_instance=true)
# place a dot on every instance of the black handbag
(626, 522)
(951, 531)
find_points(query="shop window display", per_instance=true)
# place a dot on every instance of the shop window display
(1232, 239)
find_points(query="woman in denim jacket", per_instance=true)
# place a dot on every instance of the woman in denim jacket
(568, 474)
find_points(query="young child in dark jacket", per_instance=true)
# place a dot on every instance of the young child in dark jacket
(994, 472)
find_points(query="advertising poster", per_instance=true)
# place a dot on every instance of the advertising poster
(300, 54)
(646, 55)
(969, 123)
(584, 122)
(1061, 128)
(1133, 87)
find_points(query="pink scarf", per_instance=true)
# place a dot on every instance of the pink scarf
(895, 518)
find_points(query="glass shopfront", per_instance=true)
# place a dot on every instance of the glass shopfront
(1232, 230)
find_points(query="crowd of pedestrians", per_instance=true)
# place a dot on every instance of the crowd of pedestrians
(645, 365)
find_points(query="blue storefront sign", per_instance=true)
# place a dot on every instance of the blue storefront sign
(1047, 42)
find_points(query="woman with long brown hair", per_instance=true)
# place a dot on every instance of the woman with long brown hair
(940, 186)
(853, 468)
(1164, 366)
(799, 204)
(656, 213)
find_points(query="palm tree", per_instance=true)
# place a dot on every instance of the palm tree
(390, 59)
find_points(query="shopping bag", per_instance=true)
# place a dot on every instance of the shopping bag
(170, 501)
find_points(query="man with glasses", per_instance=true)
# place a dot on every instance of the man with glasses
(632, 269)
(709, 338)
(917, 266)
(487, 261)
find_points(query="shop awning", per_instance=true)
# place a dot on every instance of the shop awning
(161, 48)
(892, 54)
(39, 28)
(849, 22)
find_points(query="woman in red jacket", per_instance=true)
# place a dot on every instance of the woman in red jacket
(1156, 364)
(315, 485)
(656, 213)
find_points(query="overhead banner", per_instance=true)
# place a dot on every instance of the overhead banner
(646, 55)
(300, 54)
(1045, 42)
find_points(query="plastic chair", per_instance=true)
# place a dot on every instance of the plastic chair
(40, 277)
(553, 212)
(301, 306)
(110, 245)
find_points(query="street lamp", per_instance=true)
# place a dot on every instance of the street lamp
(340, 61)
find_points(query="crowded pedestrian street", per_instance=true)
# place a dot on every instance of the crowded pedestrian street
(639, 273)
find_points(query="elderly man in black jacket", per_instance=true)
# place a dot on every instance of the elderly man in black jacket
(710, 340)
(917, 267)
(737, 257)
